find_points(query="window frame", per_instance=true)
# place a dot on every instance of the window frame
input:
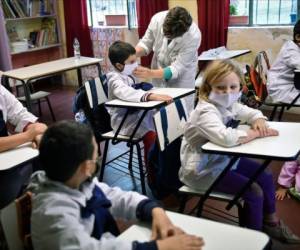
(251, 17)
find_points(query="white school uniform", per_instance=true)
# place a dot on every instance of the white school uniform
(280, 83)
(120, 87)
(56, 220)
(206, 123)
(13, 111)
(181, 54)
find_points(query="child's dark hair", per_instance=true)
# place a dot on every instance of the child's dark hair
(297, 29)
(64, 146)
(177, 22)
(119, 52)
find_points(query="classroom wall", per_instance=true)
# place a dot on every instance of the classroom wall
(190, 5)
(256, 39)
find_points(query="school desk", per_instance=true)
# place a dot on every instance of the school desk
(216, 235)
(19, 155)
(176, 93)
(284, 147)
(28, 74)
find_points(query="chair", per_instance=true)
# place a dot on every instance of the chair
(96, 96)
(262, 65)
(165, 138)
(35, 97)
(15, 219)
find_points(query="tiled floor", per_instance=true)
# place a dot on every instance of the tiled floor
(288, 210)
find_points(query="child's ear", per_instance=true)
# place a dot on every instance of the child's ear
(119, 66)
(85, 168)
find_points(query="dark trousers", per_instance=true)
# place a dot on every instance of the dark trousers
(259, 199)
(12, 183)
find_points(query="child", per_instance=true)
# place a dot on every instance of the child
(280, 83)
(120, 86)
(290, 172)
(72, 210)
(27, 130)
(215, 119)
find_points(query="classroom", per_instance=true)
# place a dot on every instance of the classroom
(150, 124)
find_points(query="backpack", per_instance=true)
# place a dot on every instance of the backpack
(97, 117)
(255, 92)
(163, 166)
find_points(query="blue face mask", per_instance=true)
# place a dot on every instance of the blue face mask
(224, 100)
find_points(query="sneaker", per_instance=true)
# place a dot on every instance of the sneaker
(293, 192)
(282, 233)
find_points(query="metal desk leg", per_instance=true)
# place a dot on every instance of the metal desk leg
(248, 184)
(137, 126)
(79, 77)
(214, 184)
(27, 95)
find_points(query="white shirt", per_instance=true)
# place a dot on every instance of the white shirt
(206, 123)
(280, 83)
(13, 111)
(56, 221)
(181, 54)
(120, 87)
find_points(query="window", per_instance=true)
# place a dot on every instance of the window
(263, 12)
(112, 13)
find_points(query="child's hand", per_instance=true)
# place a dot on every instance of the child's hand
(35, 129)
(181, 242)
(36, 141)
(162, 227)
(281, 193)
(157, 97)
(252, 134)
(260, 125)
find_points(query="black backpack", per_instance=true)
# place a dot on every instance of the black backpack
(97, 117)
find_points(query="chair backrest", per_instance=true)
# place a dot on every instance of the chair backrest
(258, 75)
(15, 219)
(169, 123)
(95, 92)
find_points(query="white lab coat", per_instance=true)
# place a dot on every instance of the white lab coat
(56, 221)
(13, 111)
(119, 87)
(280, 83)
(206, 123)
(181, 55)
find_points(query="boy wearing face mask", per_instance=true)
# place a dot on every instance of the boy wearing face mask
(216, 119)
(280, 82)
(124, 86)
(72, 210)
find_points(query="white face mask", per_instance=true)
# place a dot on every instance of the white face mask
(129, 68)
(224, 100)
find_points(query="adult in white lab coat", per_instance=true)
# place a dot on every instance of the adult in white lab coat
(174, 39)
(280, 83)
(26, 129)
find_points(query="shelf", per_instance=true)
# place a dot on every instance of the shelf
(36, 49)
(28, 18)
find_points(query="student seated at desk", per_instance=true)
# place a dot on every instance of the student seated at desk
(280, 82)
(215, 119)
(124, 86)
(289, 175)
(72, 210)
(27, 130)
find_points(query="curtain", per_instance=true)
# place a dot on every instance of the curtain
(213, 19)
(76, 22)
(145, 10)
(5, 59)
